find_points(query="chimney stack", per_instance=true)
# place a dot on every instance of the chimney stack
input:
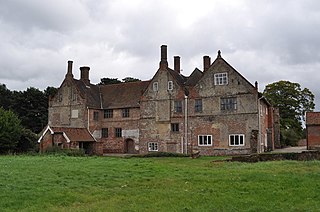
(69, 73)
(84, 74)
(206, 63)
(176, 63)
(164, 62)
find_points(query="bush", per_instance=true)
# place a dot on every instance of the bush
(162, 154)
(56, 150)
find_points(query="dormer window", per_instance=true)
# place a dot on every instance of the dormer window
(170, 85)
(221, 79)
(155, 86)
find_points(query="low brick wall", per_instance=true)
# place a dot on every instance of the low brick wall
(303, 156)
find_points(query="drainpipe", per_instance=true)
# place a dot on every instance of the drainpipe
(259, 127)
(186, 123)
(88, 119)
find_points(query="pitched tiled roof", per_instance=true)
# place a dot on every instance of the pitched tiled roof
(178, 77)
(74, 134)
(91, 93)
(122, 95)
(194, 77)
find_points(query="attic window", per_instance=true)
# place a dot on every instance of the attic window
(170, 85)
(221, 79)
(155, 86)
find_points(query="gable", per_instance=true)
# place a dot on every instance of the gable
(222, 79)
(166, 82)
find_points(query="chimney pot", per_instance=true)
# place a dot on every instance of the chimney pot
(163, 61)
(69, 72)
(84, 74)
(206, 62)
(176, 61)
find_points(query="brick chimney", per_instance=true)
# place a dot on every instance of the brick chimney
(69, 73)
(206, 62)
(163, 61)
(84, 74)
(176, 63)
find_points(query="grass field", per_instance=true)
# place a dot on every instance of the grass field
(60, 183)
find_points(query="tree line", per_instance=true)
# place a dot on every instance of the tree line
(23, 114)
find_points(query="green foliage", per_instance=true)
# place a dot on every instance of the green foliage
(57, 151)
(10, 131)
(156, 184)
(162, 154)
(109, 81)
(293, 102)
(130, 79)
(27, 142)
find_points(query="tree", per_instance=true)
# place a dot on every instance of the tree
(10, 130)
(130, 79)
(109, 81)
(292, 102)
(32, 107)
(6, 97)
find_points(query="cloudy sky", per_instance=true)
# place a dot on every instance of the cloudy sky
(265, 40)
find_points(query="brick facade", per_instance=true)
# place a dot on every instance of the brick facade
(216, 111)
(313, 130)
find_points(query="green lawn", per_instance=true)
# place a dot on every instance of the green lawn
(48, 183)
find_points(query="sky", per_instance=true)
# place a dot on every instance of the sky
(265, 40)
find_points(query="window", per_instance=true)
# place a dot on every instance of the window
(175, 127)
(108, 113)
(60, 97)
(104, 132)
(229, 103)
(155, 86)
(221, 79)
(205, 140)
(153, 146)
(198, 105)
(125, 112)
(177, 106)
(236, 140)
(118, 132)
(170, 85)
(95, 116)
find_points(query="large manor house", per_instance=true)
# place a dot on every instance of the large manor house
(214, 111)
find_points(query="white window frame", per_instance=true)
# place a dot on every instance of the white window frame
(206, 140)
(155, 86)
(239, 136)
(153, 146)
(170, 85)
(221, 78)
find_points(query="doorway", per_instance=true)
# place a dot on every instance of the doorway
(129, 146)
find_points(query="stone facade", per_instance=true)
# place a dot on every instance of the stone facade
(313, 130)
(215, 111)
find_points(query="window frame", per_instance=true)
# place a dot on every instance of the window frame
(170, 85)
(198, 107)
(221, 78)
(178, 106)
(125, 113)
(104, 132)
(239, 136)
(207, 140)
(228, 103)
(95, 116)
(118, 132)
(108, 113)
(153, 146)
(155, 86)
(175, 127)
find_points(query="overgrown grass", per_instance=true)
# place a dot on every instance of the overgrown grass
(61, 183)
